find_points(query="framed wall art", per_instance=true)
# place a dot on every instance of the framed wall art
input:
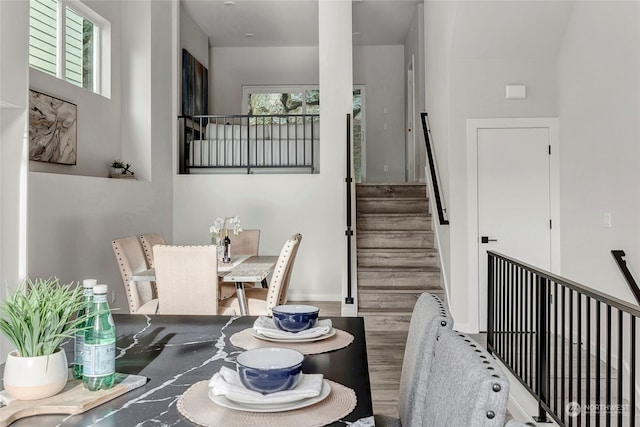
(53, 129)
(195, 86)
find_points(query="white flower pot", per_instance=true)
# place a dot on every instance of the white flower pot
(30, 378)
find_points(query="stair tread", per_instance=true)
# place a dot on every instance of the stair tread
(397, 250)
(387, 231)
(387, 311)
(411, 269)
(403, 289)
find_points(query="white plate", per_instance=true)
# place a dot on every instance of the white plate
(329, 334)
(275, 407)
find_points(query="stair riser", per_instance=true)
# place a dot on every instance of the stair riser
(377, 322)
(396, 240)
(386, 259)
(399, 301)
(374, 223)
(392, 206)
(391, 190)
(423, 280)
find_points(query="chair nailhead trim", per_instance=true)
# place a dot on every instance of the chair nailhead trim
(497, 388)
(491, 415)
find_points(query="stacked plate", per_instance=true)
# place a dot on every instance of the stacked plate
(240, 389)
(265, 328)
(267, 406)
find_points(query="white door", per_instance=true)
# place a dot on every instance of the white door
(513, 199)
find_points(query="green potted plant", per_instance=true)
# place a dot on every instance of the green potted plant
(117, 167)
(36, 318)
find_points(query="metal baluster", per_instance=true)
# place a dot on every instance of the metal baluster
(620, 370)
(608, 385)
(563, 401)
(555, 346)
(490, 304)
(597, 361)
(588, 360)
(632, 372)
(571, 334)
(579, 361)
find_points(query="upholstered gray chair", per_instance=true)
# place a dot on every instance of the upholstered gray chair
(429, 318)
(131, 259)
(466, 386)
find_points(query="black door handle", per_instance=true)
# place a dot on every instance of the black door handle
(486, 239)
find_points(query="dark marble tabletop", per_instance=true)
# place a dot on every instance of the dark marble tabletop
(175, 352)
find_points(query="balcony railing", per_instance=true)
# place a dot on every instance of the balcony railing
(572, 347)
(249, 144)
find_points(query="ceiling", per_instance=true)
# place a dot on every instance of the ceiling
(295, 22)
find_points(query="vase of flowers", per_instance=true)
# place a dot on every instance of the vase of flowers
(219, 232)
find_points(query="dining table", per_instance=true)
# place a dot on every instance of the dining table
(177, 352)
(242, 269)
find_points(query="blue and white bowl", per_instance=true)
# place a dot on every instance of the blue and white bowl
(268, 370)
(295, 318)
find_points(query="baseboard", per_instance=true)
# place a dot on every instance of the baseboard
(521, 405)
(303, 296)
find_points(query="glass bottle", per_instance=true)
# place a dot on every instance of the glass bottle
(99, 361)
(78, 348)
(227, 249)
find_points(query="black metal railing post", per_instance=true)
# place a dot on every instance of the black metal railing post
(490, 310)
(542, 361)
(349, 231)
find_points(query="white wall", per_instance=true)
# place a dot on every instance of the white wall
(379, 68)
(281, 205)
(492, 44)
(233, 67)
(599, 106)
(99, 138)
(72, 219)
(382, 70)
(13, 149)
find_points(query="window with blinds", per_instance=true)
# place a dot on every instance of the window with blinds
(70, 51)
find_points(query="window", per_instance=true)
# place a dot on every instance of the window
(72, 51)
(285, 100)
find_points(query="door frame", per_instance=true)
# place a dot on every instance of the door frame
(363, 135)
(473, 125)
(410, 169)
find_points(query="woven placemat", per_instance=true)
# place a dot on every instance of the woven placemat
(196, 405)
(244, 339)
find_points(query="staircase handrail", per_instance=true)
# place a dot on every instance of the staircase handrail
(433, 169)
(618, 255)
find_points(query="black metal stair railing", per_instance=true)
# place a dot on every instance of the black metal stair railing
(573, 348)
(249, 143)
(433, 170)
(619, 257)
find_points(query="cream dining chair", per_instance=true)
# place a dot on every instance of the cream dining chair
(260, 301)
(245, 243)
(148, 241)
(131, 259)
(187, 279)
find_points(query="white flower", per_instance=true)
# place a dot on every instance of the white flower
(221, 226)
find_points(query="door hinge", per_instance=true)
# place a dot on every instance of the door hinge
(549, 149)
(550, 224)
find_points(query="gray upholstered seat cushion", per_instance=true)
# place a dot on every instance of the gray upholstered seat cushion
(466, 386)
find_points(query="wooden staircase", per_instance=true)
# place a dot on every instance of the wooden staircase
(397, 261)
